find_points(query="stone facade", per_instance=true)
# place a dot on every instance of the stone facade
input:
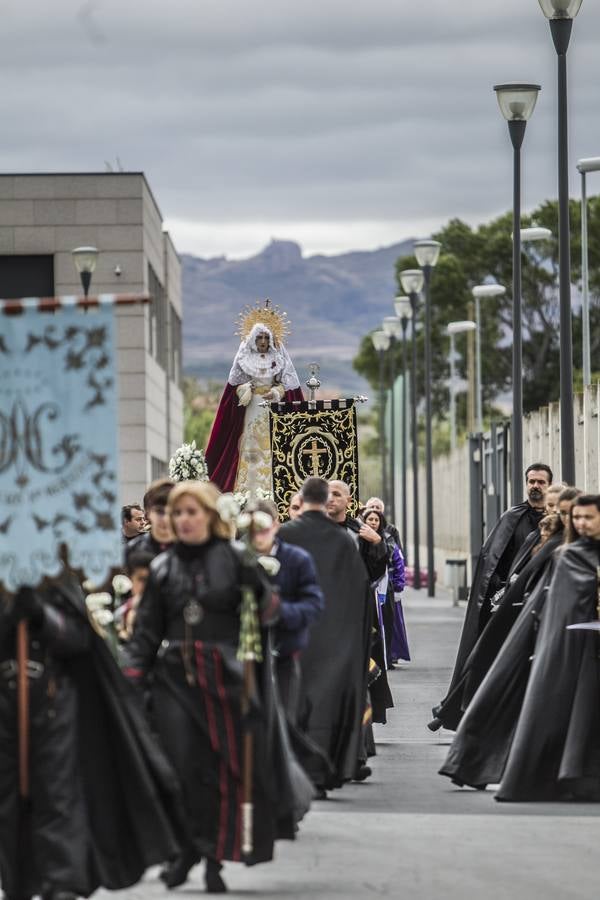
(117, 213)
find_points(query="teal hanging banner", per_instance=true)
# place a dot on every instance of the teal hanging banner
(58, 444)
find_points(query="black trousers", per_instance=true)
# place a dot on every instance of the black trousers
(43, 843)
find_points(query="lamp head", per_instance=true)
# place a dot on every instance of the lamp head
(481, 291)
(427, 252)
(392, 326)
(517, 101)
(536, 233)
(460, 327)
(560, 9)
(403, 307)
(381, 341)
(412, 281)
(85, 259)
(592, 164)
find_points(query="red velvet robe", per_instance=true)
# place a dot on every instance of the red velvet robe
(223, 449)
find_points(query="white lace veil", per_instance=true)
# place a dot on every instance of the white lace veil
(249, 363)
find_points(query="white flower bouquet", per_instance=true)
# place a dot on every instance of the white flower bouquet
(188, 464)
(242, 497)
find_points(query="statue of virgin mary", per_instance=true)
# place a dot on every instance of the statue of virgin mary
(262, 371)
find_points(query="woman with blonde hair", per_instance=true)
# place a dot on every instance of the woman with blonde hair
(186, 636)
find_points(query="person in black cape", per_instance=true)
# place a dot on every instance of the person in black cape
(335, 663)
(555, 752)
(160, 534)
(482, 741)
(186, 636)
(491, 575)
(103, 801)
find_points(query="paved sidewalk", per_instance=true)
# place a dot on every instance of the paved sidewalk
(409, 832)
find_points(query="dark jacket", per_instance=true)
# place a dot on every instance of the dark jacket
(301, 598)
(143, 543)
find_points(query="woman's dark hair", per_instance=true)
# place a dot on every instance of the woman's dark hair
(158, 493)
(139, 560)
(371, 511)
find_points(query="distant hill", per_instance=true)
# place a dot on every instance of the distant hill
(332, 301)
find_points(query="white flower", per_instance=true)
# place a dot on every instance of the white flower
(103, 617)
(121, 585)
(244, 521)
(227, 508)
(98, 601)
(262, 520)
(269, 564)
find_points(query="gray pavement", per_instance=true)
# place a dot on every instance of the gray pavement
(409, 832)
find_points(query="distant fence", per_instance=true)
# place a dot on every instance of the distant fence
(472, 485)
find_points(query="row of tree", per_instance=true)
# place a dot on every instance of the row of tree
(472, 256)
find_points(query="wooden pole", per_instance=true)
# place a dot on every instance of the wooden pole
(23, 707)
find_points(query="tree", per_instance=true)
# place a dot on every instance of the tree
(471, 256)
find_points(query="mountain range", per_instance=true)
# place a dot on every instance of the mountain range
(331, 301)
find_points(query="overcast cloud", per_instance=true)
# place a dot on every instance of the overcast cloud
(341, 125)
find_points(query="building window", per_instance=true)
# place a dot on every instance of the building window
(158, 468)
(159, 338)
(26, 276)
(176, 372)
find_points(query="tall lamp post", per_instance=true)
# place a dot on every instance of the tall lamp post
(453, 329)
(393, 328)
(480, 292)
(561, 14)
(427, 254)
(85, 259)
(517, 102)
(412, 284)
(584, 166)
(381, 342)
(404, 313)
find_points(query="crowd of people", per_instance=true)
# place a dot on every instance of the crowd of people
(524, 697)
(243, 683)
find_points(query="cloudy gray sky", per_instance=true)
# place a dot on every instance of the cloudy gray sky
(338, 123)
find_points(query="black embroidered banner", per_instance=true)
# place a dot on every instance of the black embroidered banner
(318, 438)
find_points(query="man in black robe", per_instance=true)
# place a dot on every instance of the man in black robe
(335, 662)
(94, 814)
(492, 573)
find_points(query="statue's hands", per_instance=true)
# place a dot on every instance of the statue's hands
(244, 393)
(275, 394)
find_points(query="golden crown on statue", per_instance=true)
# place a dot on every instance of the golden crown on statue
(272, 316)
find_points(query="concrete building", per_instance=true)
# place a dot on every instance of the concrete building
(42, 219)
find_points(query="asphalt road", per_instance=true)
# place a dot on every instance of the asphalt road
(410, 833)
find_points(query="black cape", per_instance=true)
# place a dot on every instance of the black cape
(555, 753)
(491, 572)
(335, 663)
(130, 792)
(525, 571)
(482, 742)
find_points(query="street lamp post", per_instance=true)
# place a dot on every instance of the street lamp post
(561, 14)
(404, 313)
(381, 342)
(412, 283)
(393, 328)
(427, 254)
(584, 166)
(453, 329)
(480, 292)
(85, 259)
(517, 102)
